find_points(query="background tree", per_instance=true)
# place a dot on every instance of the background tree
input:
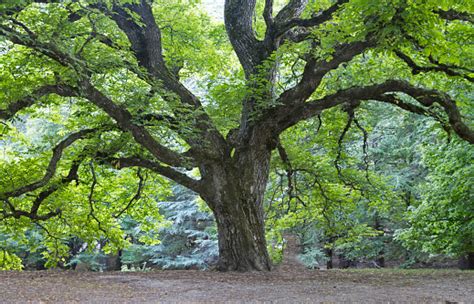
(115, 77)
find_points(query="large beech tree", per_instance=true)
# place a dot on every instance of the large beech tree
(125, 79)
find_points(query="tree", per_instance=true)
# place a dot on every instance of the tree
(443, 223)
(118, 74)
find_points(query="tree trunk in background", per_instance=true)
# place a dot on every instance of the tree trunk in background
(329, 254)
(380, 260)
(113, 262)
(466, 262)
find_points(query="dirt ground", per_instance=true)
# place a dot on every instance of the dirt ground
(280, 286)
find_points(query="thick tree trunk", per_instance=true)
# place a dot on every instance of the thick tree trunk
(242, 244)
(235, 193)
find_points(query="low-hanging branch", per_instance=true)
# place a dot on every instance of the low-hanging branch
(91, 201)
(136, 196)
(52, 166)
(42, 196)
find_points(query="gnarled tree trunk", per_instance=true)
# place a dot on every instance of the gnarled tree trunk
(235, 193)
(241, 232)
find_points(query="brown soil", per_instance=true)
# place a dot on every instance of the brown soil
(280, 286)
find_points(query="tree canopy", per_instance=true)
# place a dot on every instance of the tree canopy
(103, 103)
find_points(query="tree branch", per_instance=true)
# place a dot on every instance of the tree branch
(90, 199)
(455, 15)
(146, 44)
(136, 197)
(314, 71)
(438, 68)
(124, 120)
(268, 14)
(122, 116)
(48, 49)
(286, 24)
(169, 172)
(148, 39)
(42, 196)
(51, 169)
(238, 16)
(27, 101)
(382, 92)
(339, 148)
(290, 12)
(15, 213)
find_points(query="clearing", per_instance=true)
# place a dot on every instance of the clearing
(285, 285)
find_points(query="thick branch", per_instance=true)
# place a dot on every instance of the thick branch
(426, 97)
(122, 116)
(147, 47)
(268, 13)
(145, 39)
(46, 48)
(238, 17)
(27, 101)
(290, 12)
(125, 121)
(169, 172)
(314, 72)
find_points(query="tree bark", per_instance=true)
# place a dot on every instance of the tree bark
(241, 234)
(235, 193)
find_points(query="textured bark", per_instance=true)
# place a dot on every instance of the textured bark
(235, 191)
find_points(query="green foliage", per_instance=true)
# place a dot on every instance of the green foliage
(313, 258)
(9, 261)
(90, 261)
(191, 240)
(443, 221)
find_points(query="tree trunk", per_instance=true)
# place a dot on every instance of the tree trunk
(380, 260)
(242, 244)
(235, 193)
(329, 254)
(466, 262)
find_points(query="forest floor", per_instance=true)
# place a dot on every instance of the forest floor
(280, 286)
